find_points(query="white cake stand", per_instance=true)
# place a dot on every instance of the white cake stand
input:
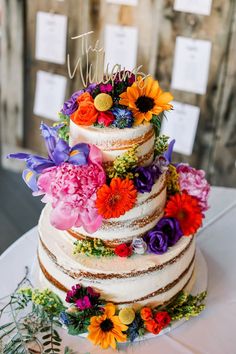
(200, 285)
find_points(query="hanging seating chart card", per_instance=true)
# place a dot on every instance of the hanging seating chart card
(191, 65)
(49, 94)
(200, 7)
(181, 125)
(51, 33)
(121, 45)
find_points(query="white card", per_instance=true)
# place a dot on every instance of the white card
(124, 2)
(49, 94)
(191, 65)
(181, 124)
(121, 45)
(51, 33)
(201, 7)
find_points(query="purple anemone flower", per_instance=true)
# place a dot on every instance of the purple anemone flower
(58, 152)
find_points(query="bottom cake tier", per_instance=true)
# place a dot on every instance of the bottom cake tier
(139, 280)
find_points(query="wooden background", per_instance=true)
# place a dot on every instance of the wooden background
(158, 25)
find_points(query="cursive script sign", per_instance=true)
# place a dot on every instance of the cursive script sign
(90, 73)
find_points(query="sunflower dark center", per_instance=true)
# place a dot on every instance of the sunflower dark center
(144, 103)
(106, 325)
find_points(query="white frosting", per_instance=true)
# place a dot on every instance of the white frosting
(114, 141)
(146, 205)
(114, 288)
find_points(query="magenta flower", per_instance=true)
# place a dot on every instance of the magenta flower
(194, 183)
(73, 294)
(105, 88)
(83, 303)
(72, 190)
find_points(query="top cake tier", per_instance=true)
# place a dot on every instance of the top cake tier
(114, 141)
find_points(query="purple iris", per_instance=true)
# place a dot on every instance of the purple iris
(58, 152)
(71, 105)
(63, 317)
(157, 241)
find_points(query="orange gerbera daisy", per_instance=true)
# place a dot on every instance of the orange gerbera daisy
(186, 210)
(106, 330)
(145, 99)
(114, 200)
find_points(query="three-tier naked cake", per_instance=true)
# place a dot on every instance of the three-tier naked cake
(117, 233)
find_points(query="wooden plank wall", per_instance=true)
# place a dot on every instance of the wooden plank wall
(158, 25)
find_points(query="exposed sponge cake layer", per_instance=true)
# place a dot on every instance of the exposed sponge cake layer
(114, 141)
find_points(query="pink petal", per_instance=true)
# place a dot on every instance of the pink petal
(63, 216)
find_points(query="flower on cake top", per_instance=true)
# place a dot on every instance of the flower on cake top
(106, 330)
(86, 113)
(72, 191)
(116, 199)
(145, 99)
(123, 118)
(194, 183)
(186, 210)
(106, 118)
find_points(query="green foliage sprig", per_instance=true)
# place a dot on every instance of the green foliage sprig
(33, 318)
(122, 166)
(161, 144)
(63, 132)
(92, 247)
(185, 306)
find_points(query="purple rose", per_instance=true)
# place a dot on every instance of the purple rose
(144, 179)
(171, 228)
(157, 241)
(71, 105)
(83, 303)
(73, 294)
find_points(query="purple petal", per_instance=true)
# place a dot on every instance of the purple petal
(61, 152)
(19, 156)
(168, 154)
(30, 179)
(79, 154)
(50, 136)
(38, 163)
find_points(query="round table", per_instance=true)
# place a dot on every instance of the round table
(212, 332)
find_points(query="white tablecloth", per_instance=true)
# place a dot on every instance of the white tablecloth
(213, 332)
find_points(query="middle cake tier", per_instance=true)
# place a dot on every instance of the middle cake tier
(145, 214)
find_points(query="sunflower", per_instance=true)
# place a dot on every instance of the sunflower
(145, 98)
(106, 330)
(114, 200)
(186, 210)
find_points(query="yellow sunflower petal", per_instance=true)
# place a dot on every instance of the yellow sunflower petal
(119, 336)
(110, 309)
(117, 322)
(155, 90)
(112, 341)
(164, 98)
(132, 93)
(148, 84)
(148, 116)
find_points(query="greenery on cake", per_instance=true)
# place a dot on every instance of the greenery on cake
(35, 315)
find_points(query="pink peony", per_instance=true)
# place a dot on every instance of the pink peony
(194, 183)
(72, 191)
